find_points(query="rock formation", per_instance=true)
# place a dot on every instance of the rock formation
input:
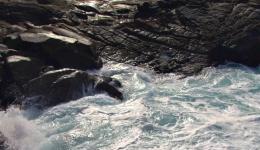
(38, 39)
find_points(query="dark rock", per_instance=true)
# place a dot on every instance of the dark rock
(87, 8)
(15, 12)
(245, 50)
(23, 68)
(44, 1)
(112, 81)
(54, 2)
(111, 90)
(69, 51)
(9, 90)
(165, 35)
(11, 94)
(182, 36)
(59, 86)
(46, 69)
(1, 71)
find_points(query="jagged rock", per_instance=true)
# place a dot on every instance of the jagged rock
(59, 86)
(182, 36)
(69, 51)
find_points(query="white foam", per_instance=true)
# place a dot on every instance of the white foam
(21, 133)
(218, 109)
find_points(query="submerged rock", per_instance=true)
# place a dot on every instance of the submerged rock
(59, 86)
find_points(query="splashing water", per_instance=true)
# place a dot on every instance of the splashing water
(218, 109)
(21, 133)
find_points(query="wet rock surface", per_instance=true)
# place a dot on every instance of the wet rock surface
(181, 36)
(59, 86)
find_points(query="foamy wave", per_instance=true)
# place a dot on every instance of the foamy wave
(216, 110)
(21, 133)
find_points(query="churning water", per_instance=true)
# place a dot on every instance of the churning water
(218, 109)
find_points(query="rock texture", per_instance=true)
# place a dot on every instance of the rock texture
(33, 50)
(181, 36)
(65, 49)
(59, 86)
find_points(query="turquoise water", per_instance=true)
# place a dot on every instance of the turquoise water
(216, 110)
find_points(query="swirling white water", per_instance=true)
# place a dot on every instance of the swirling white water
(216, 110)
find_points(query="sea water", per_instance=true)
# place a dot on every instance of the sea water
(219, 109)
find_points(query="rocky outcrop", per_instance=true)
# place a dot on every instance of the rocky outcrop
(181, 36)
(65, 49)
(32, 46)
(59, 86)
(29, 72)
(23, 68)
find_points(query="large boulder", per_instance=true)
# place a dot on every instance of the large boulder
(59, 86)
(16, 71)
(23, 68)
(9, 90)
(63, 50)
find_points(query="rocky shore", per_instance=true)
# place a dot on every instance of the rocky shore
(46, 46)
